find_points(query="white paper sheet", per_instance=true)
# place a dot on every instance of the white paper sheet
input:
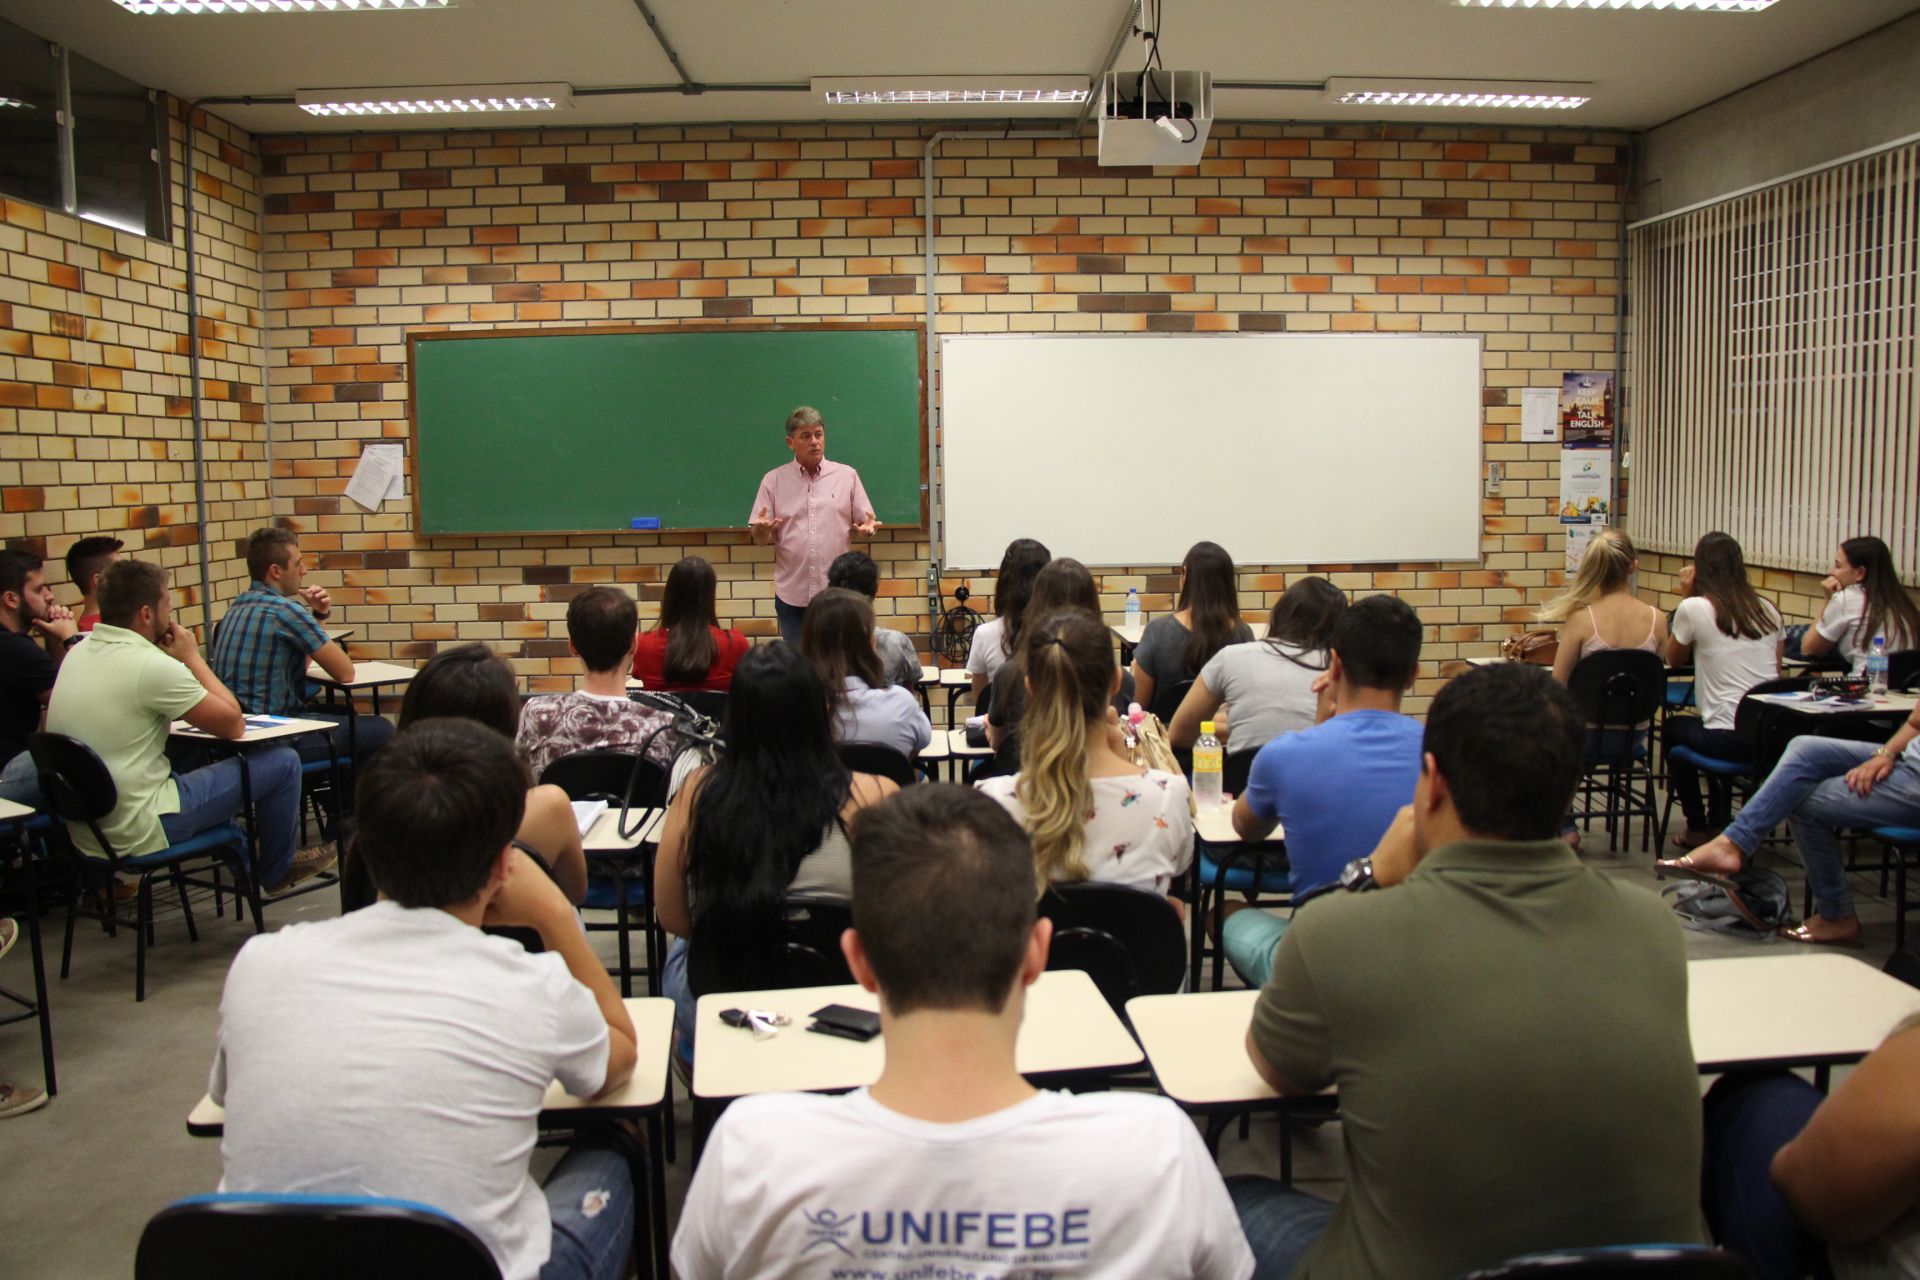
(1539, 414)
(586, 813)
(375, 476)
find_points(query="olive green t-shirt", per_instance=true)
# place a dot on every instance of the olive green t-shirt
(1508, 1034)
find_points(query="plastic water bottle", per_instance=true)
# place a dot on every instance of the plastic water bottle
(1877, 668)
(1130, 724)
(1209, 764)
(1133, 607)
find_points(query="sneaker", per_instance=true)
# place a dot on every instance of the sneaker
(18, 1099)
(9, 934)
(307, 864)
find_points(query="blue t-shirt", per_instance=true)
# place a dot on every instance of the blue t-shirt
(1335, 788)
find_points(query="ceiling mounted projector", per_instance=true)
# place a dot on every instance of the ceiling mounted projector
(1155, 117)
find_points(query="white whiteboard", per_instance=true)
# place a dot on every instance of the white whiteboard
(1283, 448)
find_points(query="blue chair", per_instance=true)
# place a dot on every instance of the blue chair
(1624, 1262)
(1755, 722)
(1902, 844)
(306, 1237)
(1256, 869)
(81, 791)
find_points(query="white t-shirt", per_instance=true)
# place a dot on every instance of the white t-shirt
(397, 1052)
(1724, 666)
(1843, 622)
(1094, 1184)
(985, 656)
(1267, 690)
(1140, 832)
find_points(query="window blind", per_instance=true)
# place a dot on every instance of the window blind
(1771, 367)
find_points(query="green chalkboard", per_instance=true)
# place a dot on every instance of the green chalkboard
(583, 430)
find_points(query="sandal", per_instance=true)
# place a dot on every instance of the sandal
(1684, 868)
(1799, 933)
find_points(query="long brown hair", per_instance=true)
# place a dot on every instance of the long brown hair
(1064, 584)
(836, 636)
(1023, 561)
(1720, 575)
(1068, 657)
(1888, 605)
(686, 613)
(1209, 590)
(1304, 616)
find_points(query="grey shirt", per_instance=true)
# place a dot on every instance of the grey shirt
(1268, 690)
(1162, 651)
(898, 658)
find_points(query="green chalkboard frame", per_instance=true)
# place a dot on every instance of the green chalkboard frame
(423, 479)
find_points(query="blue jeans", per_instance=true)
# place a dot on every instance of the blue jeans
(1249, 937)
(369, 734)
(1281, 1223)
(211, 796)
(590, 1199)
(675, 987)
(1809, 790)
(790, 616)
(1749, 1117)
(20, 782)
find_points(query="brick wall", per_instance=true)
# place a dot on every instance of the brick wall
(95, 426)
(1509, 234)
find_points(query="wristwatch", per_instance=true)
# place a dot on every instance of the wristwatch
(1357, 876)
(73, 640)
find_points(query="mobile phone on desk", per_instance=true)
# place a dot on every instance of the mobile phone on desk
(846, 1022)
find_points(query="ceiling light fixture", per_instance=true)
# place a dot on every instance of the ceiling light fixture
(273, 6)
(1710, 6)
(865, 91)
(449, 99)
(1469, 95)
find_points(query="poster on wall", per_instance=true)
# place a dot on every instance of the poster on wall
(1586, 486)
(1586, 411)
(1579, 536)
(1539, 415)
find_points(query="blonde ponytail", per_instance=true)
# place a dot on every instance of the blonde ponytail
(1069, 664)
(1607, 567)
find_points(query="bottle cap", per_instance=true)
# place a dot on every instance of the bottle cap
(1206, 727)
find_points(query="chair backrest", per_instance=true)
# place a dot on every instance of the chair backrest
(1903, 669)
(1624, 1262)
(1167, 699)
(885, 762)
(711, 703)
(1234, 770)
(1129, 941)
(301, 1237)
(73, 777)
(1904, 964)
(807, 955)
(1619, 688)
(618, 777)
(1760, 723)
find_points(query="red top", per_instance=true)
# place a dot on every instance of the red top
(649, 664)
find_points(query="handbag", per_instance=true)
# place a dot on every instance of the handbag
(1151, 750)
(1538, 648)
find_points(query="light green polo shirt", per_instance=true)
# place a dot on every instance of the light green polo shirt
(1508, 1033)
(118, 693)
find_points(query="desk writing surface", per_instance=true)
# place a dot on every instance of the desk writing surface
(259, 729)
(1197, 1045)
(929, 675)
(937, 749)
(1130, 635)
(1068, 1027)
(1885, 704)
(11, 810)
(958, 677)
(1793, 1009)
(604, 835)
(1214, 824)
(957, 745)
(365, 675)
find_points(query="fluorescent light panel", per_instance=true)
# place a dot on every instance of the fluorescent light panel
(1469, 95)
(429, 100)
(864, 91)
(273, 6)
(1710, 6)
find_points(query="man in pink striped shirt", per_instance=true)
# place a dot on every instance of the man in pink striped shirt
(808, 509)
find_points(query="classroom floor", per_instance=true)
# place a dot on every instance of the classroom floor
(79, 1178)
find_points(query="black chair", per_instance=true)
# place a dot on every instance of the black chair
(1617, 691)
(81, 792)
(883, 762)
(1623, 1262)
(1904, 964)
(807, 955)
(304, 1237)
(711, 703)
(1755, 722)
(1258, 870)
(1129, 941)
(618, 880)
(1167, 699)
(1903, 669)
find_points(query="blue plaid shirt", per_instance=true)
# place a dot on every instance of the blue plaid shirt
(261, 651)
